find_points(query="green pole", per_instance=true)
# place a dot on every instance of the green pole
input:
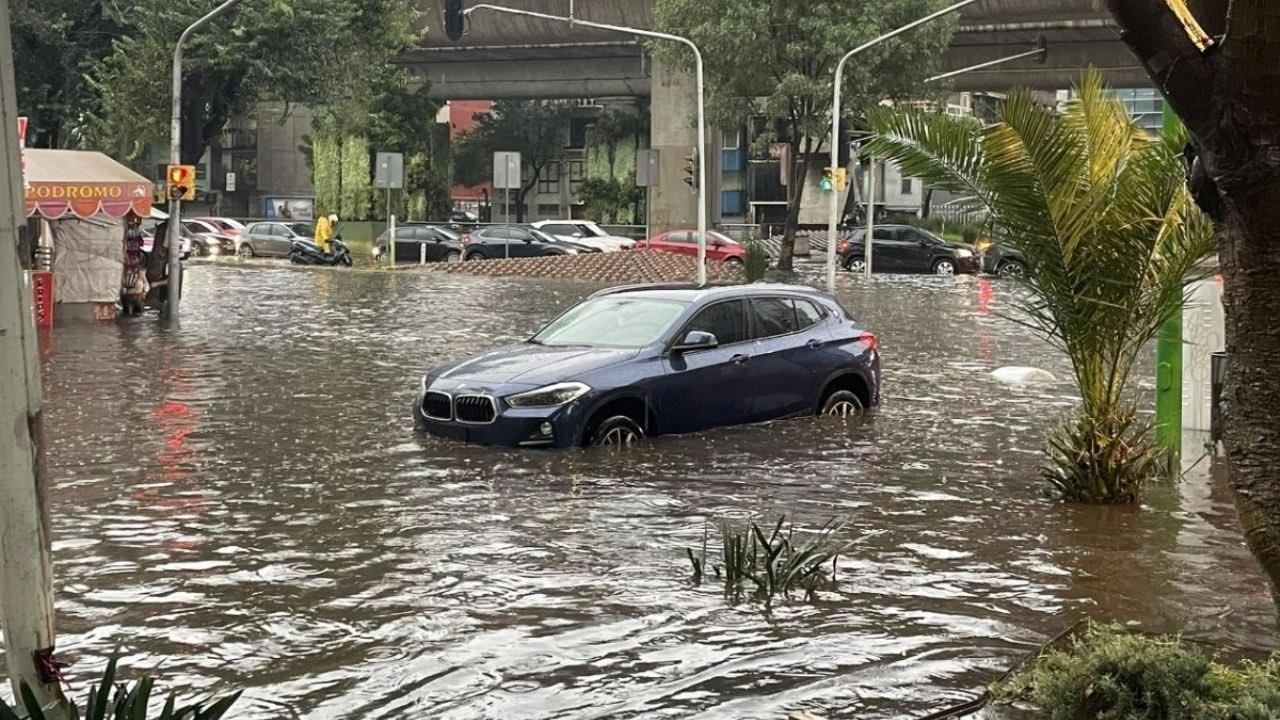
(1169, 364)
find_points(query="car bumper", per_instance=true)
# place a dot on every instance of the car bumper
(968, 266)
(554, 427)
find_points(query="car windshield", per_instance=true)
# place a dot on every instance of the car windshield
(592, 230)
(712, 235)
(448, 233)
(542, 236)
(613, 321)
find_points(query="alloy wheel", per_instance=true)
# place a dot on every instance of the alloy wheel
(944, 267)
(858, 266)
(621, 437)
(844, 409)
(1011, 270)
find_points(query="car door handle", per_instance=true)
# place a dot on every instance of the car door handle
(739, 359)
(814, 344)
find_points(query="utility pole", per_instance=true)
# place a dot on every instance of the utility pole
(26, 570)
(834, 206)
(174, 288)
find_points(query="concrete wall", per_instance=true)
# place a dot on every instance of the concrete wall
(282, 169)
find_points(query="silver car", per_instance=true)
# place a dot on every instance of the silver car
(272, 239)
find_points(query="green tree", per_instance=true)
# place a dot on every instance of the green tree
(608, 200)
(56, 45)
(403, 119)
(1227, 97)
(778, 57)
(537, 129)
(288, 50)
(1111, 238)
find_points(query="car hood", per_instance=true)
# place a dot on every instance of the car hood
(530, 364)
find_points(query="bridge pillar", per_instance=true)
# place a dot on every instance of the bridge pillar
(673, 133)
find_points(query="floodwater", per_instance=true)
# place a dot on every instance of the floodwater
(242, 503)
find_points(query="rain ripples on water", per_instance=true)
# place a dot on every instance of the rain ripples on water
(241, 503)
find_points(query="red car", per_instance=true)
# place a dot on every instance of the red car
(685, 242)
(226, 226)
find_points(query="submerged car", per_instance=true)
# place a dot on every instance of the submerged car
(659, 359)
(907, 249)
(585, 232)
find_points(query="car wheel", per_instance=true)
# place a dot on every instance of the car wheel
(843, 404)
(453, 256)
(1011, 269)
(245, 250)
(944, 267)
(202, 250)
(856, 265)
(619, 432)
(733, 261)
(475, 256)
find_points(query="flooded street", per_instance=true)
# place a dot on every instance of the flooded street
(242, 503)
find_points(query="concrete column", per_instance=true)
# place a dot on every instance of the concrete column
(673, 134)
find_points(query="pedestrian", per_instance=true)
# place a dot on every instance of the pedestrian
(325, 228)
(133, 286)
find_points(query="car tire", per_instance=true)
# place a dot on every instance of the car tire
(856, 265)
(453, 256)
(1011, 269)
(473, 256)
(733, 261)
(245, 250)
(618, 431)
(945, 266)
(843, 404)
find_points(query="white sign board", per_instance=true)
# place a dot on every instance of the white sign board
(506, 171)
(389, 173)
(231, 182)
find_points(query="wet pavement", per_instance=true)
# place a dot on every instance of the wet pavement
(242, 503)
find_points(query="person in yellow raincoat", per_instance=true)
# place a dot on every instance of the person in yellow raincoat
(324, 232)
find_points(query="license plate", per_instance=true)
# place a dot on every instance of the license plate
(450, 432)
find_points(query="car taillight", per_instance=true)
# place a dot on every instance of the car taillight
(843, 247)
(466, 239)
(869, 339)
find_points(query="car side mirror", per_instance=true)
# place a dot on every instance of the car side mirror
(577, 235)
(697, 340)
(528, 240)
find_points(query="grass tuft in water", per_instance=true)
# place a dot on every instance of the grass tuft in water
(772, 561)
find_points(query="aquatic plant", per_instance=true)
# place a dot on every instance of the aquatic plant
(121, 701)
(1108, 672)
(1111, 238)
(764, 566)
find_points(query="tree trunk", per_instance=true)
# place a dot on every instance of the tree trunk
(1229, 99)
(795, 193)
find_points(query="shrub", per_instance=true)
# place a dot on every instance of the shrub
(756, 262)
(1110, 674)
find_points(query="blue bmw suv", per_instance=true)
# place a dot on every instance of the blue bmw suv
(647, 360)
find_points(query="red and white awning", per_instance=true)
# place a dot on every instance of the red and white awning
(82, 184)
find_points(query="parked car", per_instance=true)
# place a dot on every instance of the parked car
(272, 239)
(659, 359)
(685, 242)
(440, 243)
(1000, 259)
(207, 240)
(501, 241)
(907, 249)
(149, 228)
(584, 232)
(226, 226)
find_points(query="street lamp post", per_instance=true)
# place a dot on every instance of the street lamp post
(175, 158)
(834, 209)
(702, 125)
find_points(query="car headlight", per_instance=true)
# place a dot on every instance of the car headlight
(963, 253)
(549, 396)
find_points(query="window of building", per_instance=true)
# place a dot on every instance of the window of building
(731, 202)
(549, 180)
(906, 186)
(577, 172)
(547, 209)
(578, 131)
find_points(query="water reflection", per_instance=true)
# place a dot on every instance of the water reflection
(241, 503)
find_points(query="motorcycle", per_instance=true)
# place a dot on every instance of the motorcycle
(306, 252)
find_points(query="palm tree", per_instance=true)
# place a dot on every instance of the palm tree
(1111, 237)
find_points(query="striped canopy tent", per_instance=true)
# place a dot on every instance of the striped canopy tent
(77, 183)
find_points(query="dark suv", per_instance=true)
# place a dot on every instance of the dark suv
(907, 249)
(414, 241)
(1005, 261)
(647, 360)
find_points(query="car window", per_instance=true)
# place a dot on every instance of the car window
(300, 229)
(613, 321)
(773, 317)
(519, 234)
(808, 314)
(680, 237)
(717, 237)
(559, 229)
(726, 320)
(883, 234)
(495, 234)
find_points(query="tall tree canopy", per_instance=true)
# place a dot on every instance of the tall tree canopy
(778, 57)
(537, 129)
(296, 51)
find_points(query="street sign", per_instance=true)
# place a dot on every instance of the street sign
(506, 171)
(647, 169)
(231, 182)
(389, 174)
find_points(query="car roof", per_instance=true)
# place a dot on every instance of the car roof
(692, 292)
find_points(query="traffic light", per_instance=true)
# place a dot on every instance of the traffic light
(454, 23)
(691, 170)
(181, 181)
(843, 147)
(827, 183)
